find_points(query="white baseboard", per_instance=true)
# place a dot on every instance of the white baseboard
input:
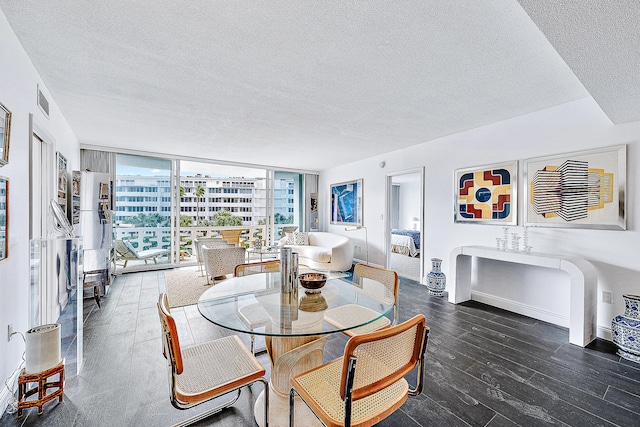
(537, 313)
(520, 308)
(5, 394)
(604, 333)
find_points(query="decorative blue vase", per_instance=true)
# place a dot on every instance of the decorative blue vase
(436, 280)
(625, 329)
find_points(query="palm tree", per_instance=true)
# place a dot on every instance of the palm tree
(199, 194)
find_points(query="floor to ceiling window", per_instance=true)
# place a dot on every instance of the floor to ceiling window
(163, 206)
(142, 217)
(217, 197)
(287, 201)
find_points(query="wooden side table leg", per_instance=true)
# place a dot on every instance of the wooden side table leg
(61, 386)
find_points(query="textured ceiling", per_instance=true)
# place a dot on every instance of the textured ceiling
(296, 84)
(600, 41)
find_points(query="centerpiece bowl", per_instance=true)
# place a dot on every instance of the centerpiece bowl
(312, 282)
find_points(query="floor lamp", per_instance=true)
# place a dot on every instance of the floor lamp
(366, 239)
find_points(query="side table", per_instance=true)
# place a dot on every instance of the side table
(97, 278)
(265, 250)
(43, 384)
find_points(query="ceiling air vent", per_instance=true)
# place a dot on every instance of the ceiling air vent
(43, 102)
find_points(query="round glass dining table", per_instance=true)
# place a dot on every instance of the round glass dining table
(253, 304)
(293, 324)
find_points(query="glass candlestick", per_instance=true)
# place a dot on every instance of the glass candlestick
(515, 243)
(505, 239)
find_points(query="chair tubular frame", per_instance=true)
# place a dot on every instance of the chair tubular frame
(213, 411)
(171, 352)
(350, 378)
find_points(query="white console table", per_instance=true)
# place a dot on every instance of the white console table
(583, 276)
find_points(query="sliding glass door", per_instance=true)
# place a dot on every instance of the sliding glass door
(288, 202)
(164, 206)
(217, 201)
(142, 220)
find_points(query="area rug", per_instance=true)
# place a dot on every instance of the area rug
(185, 285)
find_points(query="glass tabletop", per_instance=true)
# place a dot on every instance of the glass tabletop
(264, 250)
(254, 304)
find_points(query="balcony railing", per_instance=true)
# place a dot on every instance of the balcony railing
(143, 238)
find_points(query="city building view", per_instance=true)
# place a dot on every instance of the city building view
(143, 204)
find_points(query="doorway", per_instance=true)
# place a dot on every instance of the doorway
(404, 235)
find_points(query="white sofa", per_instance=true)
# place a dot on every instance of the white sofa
(326, 251)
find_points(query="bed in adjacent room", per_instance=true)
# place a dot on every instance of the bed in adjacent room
(405, 242)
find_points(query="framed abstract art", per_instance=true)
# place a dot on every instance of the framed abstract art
(585, 189)
(487, 194)
(346, 203)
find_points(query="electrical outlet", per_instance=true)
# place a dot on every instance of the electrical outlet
(9, 331)
(607, 297)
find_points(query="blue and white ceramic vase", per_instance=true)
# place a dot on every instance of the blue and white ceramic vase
(436, 280)
(625, 329)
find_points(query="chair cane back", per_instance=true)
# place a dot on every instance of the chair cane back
(254, 315)
(270, 266)
(343, 315)
(206, 371)
(367, 384)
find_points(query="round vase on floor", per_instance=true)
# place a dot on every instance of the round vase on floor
(625, 329)
(436, 280)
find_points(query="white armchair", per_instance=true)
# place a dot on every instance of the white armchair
(220, 261)
(210, 242)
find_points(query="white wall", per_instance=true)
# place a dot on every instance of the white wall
(18, 82)
(409, 202)
(574, 126)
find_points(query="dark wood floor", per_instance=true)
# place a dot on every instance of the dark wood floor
(484, 367)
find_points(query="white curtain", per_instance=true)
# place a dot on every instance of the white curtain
(98, 161)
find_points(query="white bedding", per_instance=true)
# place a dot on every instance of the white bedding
(403, 245)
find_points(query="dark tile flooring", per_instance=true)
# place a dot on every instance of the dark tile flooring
(484, 367)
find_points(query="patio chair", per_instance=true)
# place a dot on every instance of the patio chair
(220, 261)
(340, 316)
(201, 373)
(231, 236)
(126, 252)
(254, 315)
(367, 383)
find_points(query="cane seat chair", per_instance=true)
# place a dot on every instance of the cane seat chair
(254, 315)
(343, 315)
(206, 371)
(368, 383)
(257, 267)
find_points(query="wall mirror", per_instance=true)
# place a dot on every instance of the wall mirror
(5, 133)
(61, 224)
(4, 217)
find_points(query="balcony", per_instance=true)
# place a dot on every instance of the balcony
(146, 238)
